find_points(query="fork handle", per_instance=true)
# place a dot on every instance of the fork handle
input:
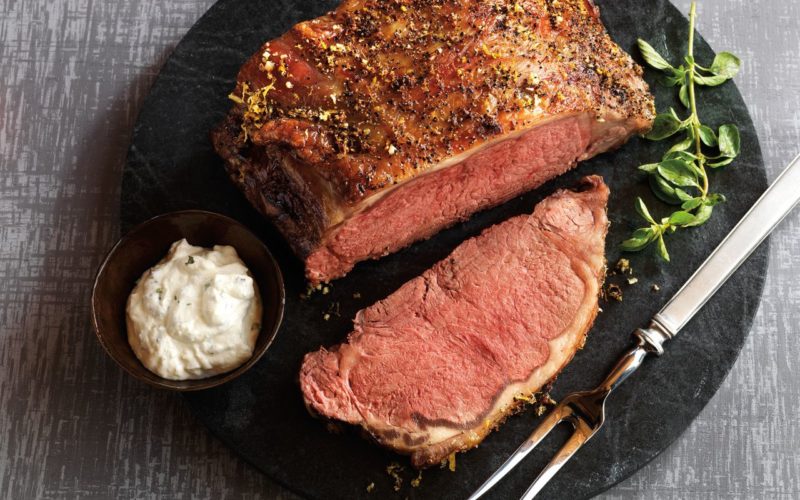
(648, 341)
(626, 365)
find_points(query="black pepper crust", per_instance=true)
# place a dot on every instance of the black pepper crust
(377, 92)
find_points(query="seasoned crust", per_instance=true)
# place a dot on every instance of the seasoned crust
(393, 88)
(343, 111)
(266, 182)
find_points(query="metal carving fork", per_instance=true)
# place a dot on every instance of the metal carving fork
(585, 410)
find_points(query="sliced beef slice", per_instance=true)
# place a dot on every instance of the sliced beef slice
(434, 367)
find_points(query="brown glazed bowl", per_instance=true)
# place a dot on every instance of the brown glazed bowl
(147, 244)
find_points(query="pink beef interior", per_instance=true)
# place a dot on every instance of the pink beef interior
(442, 348)
(425, 205)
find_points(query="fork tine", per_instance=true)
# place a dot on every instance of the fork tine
(582, 434)
(555, 417)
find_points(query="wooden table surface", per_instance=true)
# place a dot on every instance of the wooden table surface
(73, 74)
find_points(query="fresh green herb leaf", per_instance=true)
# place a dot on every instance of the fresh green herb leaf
(709, 81)
(665, 125)
(680, 218)
(683, 145)
(663, 190)
(680, 155)
(692, 203)
(190, 260)
(702, 215)
(725, 64)
(721, 163)
(707, 135)
(678, 172)
(729, 141)
(649, 167)
(682, 195)
(683, 95)
(642, 209)
(639, 239)
(662, 248)
(652, 56)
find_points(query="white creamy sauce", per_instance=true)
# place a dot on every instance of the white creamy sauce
(195, 314)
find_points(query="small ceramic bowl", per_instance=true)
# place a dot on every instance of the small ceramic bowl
(144, 247)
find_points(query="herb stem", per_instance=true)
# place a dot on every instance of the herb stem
(692, 15)
(694, 119)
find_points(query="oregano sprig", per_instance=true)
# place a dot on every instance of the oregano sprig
(681, 177)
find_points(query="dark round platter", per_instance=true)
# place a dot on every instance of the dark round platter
(171, 166)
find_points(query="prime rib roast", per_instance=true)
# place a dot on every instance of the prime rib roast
(382, 122)
(434, 367)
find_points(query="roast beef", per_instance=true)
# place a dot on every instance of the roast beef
(434, 367)
(382, 122)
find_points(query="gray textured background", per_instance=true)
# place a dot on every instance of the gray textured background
(73, 74)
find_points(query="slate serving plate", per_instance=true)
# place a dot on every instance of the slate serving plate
(171, 166)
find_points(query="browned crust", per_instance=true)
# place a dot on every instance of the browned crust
(459, 74)
(261, 176)
(418, 81)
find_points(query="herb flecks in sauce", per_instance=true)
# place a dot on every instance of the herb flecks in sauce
(211, 324)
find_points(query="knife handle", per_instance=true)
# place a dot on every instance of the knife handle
(775, 204)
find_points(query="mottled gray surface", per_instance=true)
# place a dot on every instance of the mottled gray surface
(74, 74)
